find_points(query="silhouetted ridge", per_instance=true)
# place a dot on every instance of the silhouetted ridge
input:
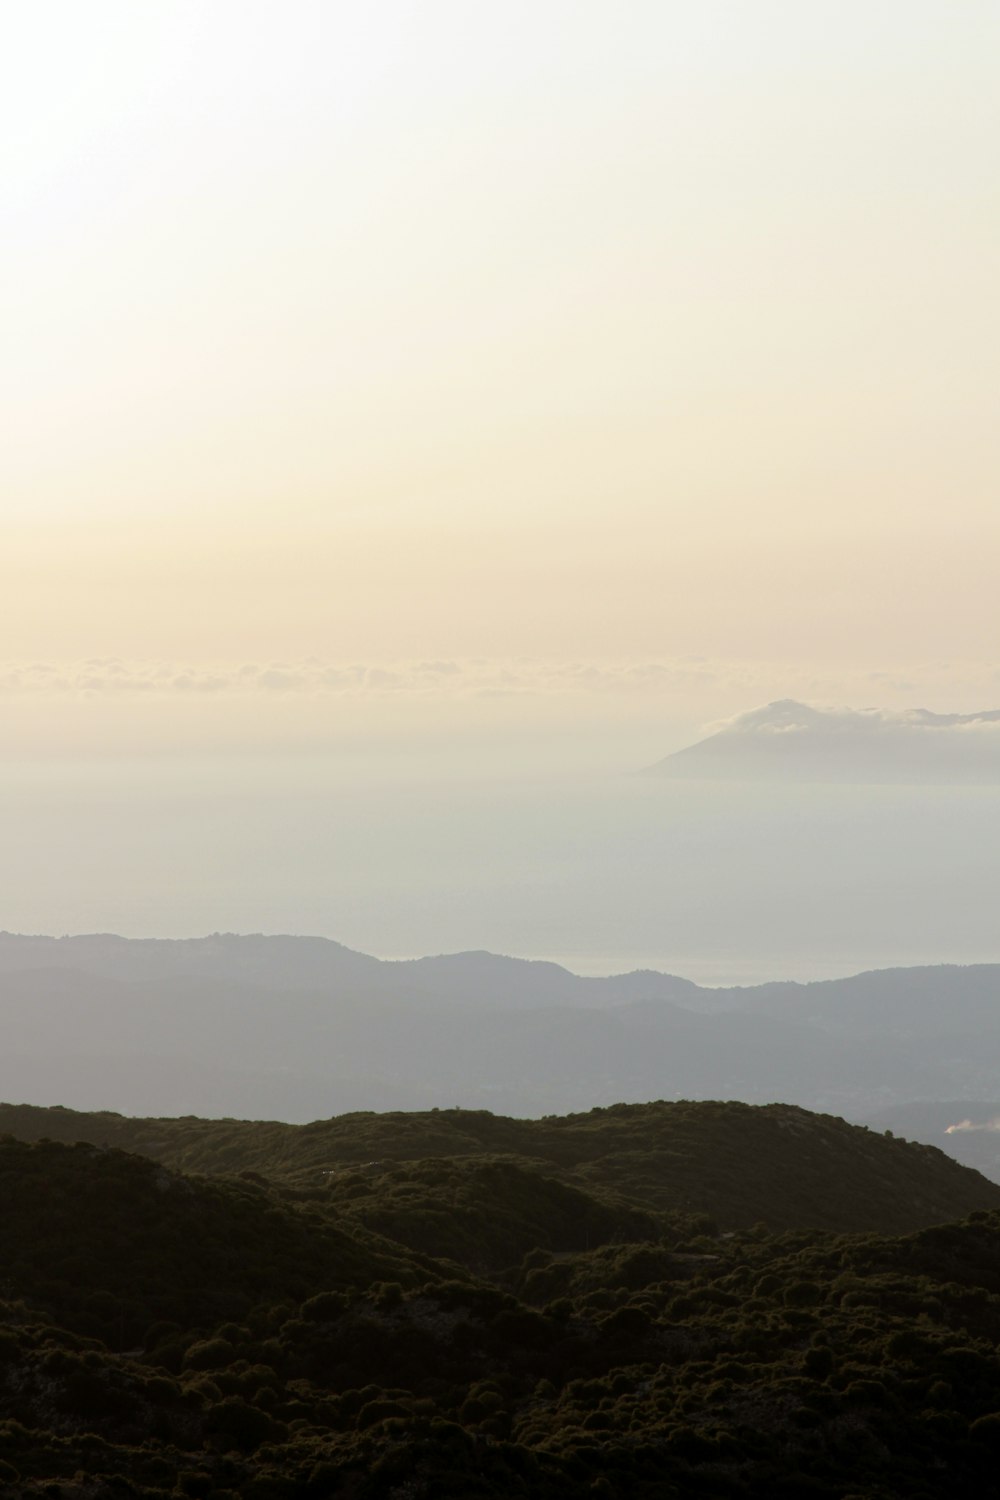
(738, 1163)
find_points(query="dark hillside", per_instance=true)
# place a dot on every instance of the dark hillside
(739, 1163)
(289, 1337)
(486, 1212)
(745, 1366)
(109, 1243)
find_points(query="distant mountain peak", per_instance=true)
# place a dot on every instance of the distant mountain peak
(788, 739)
(782, 713)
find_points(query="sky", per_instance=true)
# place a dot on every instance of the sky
(449, 372)
(535, 338)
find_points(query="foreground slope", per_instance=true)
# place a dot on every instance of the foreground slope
(160, 1245)
(163, 1335)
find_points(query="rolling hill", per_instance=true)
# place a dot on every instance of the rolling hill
(737, 1163)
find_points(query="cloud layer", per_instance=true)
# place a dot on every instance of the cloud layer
(790, 718)
(715, 682)
(113, 675)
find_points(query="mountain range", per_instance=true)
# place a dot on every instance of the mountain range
(298, 1028)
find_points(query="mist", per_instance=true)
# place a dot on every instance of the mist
(516, 844)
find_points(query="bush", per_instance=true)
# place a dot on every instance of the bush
(209, 1354)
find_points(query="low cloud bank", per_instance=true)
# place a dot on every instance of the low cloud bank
(696, 679)
(114, 675)
(787, 717)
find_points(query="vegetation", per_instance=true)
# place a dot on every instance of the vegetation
(515, 1308)
(739, 1163)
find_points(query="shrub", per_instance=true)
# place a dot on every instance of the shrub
(209, 1354)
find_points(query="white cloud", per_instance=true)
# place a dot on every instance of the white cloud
(471, 676)
(696, 686)
(788, 717)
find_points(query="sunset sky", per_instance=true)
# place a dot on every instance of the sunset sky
(639, 358)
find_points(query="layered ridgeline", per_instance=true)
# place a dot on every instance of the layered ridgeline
(454, 1304)
(301, 1028)
(790, 741)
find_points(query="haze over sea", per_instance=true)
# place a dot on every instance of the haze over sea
(422, 417)
(560, 855)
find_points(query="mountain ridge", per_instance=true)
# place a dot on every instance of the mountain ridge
(300, 1029)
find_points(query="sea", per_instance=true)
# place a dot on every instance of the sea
(593, 867)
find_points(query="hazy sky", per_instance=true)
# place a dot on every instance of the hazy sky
(537, 352)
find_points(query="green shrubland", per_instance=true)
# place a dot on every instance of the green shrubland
(548, 1308)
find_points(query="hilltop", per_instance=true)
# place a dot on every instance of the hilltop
(737, 1163)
